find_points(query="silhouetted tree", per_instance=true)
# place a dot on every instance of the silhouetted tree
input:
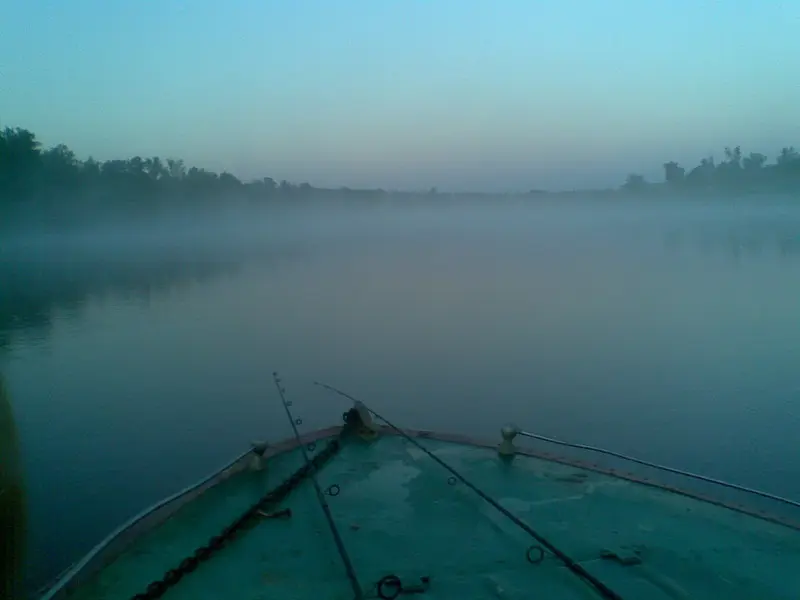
(729, 171)
(754, 162)
(90, 170)
(20, 160)
(703, 174)
(673, 172)
(787, 157)
(176, 168)
(29, 173)
(286, 188)
(228, 181)
(60, 166)
(734, 157)
(742, 173)
(634, 183)
(155, 168)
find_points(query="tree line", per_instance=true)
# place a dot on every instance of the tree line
(29, 172)
(735, 172)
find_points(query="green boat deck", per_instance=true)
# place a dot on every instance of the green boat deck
(398, 512)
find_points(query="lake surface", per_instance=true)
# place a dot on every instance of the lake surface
(139, 361)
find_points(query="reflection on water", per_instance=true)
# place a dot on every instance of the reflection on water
(36, 291)
(39, 280)
(668, 332)
(773, 237)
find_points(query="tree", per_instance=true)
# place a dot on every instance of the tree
(673, 172)
(26, 172)
(90, 169)
(136, 165)
(20, 145)
(702, 174)
(154, 168)
(201, 181)
(729, 170)
(60, 166)
(20, 160)
(114, 169)
(734, 157)
(634, 182)
(754, 162)
(787, 156)
(228, 181)
(29, 172)
(286, 188)
(305, 189)
(176, 168)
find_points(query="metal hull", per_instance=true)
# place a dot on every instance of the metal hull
(400, 513)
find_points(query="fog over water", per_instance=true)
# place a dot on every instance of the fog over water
(139, 357)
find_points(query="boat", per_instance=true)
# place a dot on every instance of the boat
(367, 509)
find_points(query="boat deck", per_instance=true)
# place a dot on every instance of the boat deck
(398, 512)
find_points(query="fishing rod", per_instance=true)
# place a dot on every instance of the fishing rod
(573, 566)
(348, 565)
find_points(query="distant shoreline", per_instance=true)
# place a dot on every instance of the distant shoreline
(53, 186)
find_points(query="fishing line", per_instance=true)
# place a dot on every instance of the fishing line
(348, 565)
(573, 566)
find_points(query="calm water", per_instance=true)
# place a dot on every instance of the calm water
(139, 362)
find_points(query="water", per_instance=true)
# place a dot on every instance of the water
(139, 363)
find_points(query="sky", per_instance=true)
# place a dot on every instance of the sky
(406, 94)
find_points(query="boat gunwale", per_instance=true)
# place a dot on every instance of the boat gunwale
(594, 467)
(118, 540)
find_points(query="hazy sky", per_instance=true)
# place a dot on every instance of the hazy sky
(406, 93)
